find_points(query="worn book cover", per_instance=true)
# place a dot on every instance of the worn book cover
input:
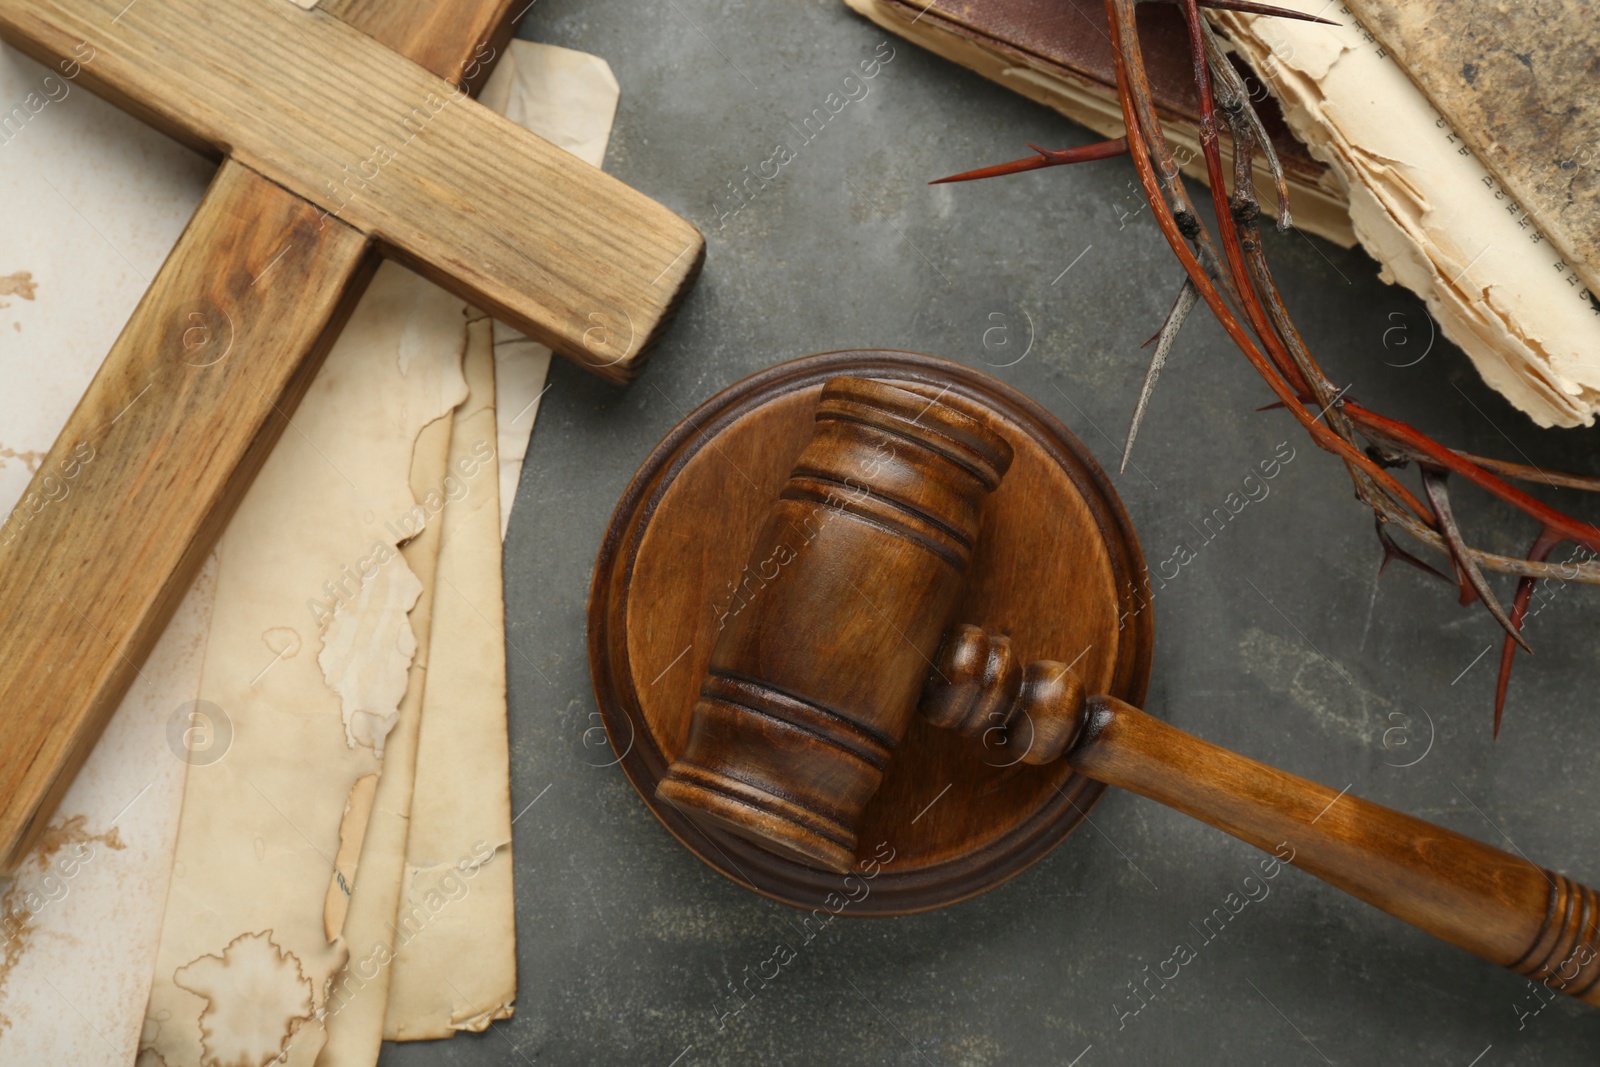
(1518, 83)
(1058, 53)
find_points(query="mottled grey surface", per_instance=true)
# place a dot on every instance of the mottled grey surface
(627, 942)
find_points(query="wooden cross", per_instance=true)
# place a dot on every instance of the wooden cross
(345, 133)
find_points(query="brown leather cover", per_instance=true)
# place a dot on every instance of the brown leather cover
(1071, 36)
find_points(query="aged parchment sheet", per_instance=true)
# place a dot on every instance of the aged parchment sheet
(310, 654)
(454, 933)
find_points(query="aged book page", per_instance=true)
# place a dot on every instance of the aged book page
(1431, 213)
(310, 656)
(95, 201)
(1517, 82)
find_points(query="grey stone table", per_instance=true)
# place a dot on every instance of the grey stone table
(627, 944)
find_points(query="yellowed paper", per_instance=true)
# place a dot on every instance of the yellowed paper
(244, 965)
(455, 930)
(1430, 212)
(354, 1014)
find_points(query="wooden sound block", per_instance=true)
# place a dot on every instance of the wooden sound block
(1058, 569)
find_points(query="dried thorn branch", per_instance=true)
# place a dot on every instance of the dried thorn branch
(1519, 471)
(1188, 296)
(1160, 175)
(1534, 474)
(1179, 224)
(1047, 157)
(1278, 352)
(1473, 584)
(1230, 273)
(1587, 572)
(1401, 434)
(1245, 124)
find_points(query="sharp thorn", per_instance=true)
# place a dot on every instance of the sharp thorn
(1393, 551)
(1540, 550)
(1188, 295)
(1016, 166)
(1046, 158)
(1508, 652)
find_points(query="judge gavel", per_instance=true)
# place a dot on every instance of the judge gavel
(847, 634)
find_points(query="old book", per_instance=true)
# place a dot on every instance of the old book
(1057, 52)
(1516, 82)
(1429, 209)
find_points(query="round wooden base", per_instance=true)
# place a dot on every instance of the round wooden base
(1057, 568)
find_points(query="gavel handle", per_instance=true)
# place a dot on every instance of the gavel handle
(1491, 903)
(1501, 907)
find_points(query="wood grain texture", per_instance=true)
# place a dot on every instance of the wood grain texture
(443, 38)
(1496, 905)
(1499, 906)
(980, 688)
(502, 218)
(150, 465)
(865, 552)
(127, 54)
(956, 823)
(1516, 83)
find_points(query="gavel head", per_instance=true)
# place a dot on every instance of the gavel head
(835, 622)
